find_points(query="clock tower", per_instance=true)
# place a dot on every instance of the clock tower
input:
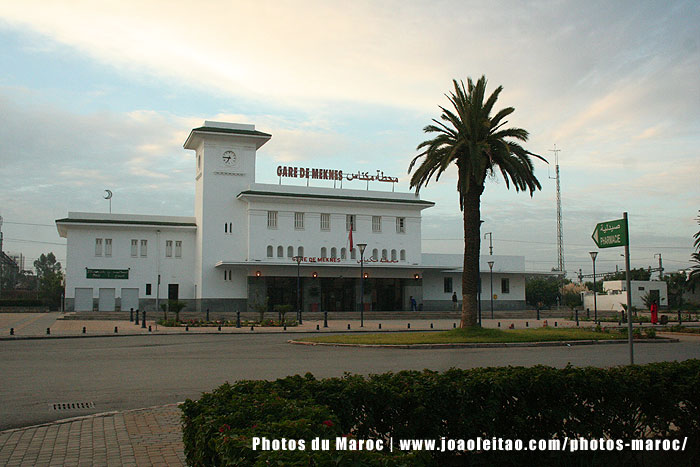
(225, 166)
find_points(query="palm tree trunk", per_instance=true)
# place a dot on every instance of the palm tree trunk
(472, 247)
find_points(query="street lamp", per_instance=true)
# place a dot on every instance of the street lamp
(298, 259)
(362, 247)
(491, 281)
(594, 254)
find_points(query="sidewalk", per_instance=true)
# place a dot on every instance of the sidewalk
(142, 437)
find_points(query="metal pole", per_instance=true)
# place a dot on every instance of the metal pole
(298, 306)
(491, 284)
(362, 289)
(595, 296)
(629, 289)
(479, 297)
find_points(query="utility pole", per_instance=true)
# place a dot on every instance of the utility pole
(490, 234)
(661, 267)
(560, 227)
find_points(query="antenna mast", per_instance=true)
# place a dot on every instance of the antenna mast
(560, 228)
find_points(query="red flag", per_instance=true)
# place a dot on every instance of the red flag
(350, 238)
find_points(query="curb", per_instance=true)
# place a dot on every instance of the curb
(87, 417)
(490, 344)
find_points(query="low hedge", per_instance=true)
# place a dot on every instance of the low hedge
(19, 302)
(659, 400)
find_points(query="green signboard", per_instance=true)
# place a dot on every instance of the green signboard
(610, 234)
(107, 273)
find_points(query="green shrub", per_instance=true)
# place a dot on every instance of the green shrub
(650, 332)
(19, 302)
(658, 400)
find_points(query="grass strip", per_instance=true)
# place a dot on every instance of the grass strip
(468, 335)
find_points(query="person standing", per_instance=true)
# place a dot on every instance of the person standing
(654, 313)
(454, 301)
(414, 304)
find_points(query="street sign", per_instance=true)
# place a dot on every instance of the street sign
(610, 234)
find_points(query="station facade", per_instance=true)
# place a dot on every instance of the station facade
(251, 244)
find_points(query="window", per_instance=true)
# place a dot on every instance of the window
(228, 275)
(350, 222)
(325, 222)
(299, 220)
(400, 225)
(226, 227)
(199, 161)
(403, 255)
(324, 252)
(108, 247)
(641, 288)
(334, 253)
(375, 254)
(393, 255)
(168, 248)
(148, 289)
(376, 223)
(144, 248)
(447, 285)
(280, 251)
(178, 249)
(98, 247)
(290, 251)
(384, 254)
(343, 253)
(505, 285)
(300, 251)
(353, 253)
(134, 248)
(271, 219)
(269, 251)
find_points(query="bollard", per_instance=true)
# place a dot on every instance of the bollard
(187, 328)
(527, 325)
(207, 315)
(431, 325)
(285, 327)
(219, 328)
(12, 331)
(499, 324)
(238, 318)
(380, 325)
(680, 318)
(409, 325)
(149, 328)
(454, 325)
(137, 318)
(252, 328)
(115, 330)
(538, 314)
(48, 331)
(348, 326)
(143, 320)
(576, 318)
(84, 330)
(318, 328)
(131, 315)
(325, 319)
(555, 324)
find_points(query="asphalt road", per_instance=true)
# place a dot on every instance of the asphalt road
(121, 373)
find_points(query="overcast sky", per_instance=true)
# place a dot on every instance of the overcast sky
(101, 95)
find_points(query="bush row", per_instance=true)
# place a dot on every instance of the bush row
(650, 401)
(17, 302)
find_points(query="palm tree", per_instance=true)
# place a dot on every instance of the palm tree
(694, 277)
(478, 144)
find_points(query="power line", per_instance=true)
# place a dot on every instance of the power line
(29, 223)
(550, 243)
(19, 240)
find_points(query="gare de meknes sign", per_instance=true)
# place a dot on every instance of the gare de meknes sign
(332, 174)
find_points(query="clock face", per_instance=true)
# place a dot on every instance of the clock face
(229, 158)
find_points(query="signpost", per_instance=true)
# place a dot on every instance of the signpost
(613, 234)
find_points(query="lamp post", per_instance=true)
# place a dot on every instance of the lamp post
(491, 281)
(594, 254)
(298, 259)
(362, 247)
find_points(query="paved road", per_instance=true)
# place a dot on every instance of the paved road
(130, 372)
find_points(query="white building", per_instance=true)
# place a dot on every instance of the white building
(616, 294)
(243, 242)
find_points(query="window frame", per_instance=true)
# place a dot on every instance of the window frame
(272, 220)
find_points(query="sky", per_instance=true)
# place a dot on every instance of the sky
(102, 95)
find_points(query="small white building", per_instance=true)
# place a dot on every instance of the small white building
(616, 295)
(248, 242)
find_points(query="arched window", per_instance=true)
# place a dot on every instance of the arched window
(300, 251)
(353, 253)
(384, 254)
(324, 252)
(290, 251)
(403, 255)
(393, 255)
(343, 253)
(280, 251)
(269, 251)
(375, 254)
(334, 252)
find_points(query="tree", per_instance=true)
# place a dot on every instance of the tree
(477, 143)
(637, 274)
(694, 277)
(676, 283)
(541, 292)
(598, 286)
(50, 277)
